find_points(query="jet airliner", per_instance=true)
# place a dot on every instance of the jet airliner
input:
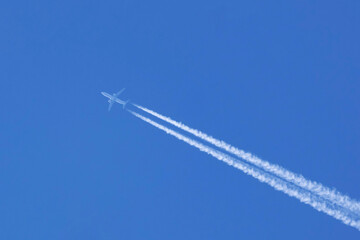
(113, 98)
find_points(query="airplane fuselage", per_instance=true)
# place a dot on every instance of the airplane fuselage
(113, 99)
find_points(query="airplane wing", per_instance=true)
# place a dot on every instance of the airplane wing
(117, 94)
(110, 105)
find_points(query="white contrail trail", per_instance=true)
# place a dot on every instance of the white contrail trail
(278, 184)
(317, 188)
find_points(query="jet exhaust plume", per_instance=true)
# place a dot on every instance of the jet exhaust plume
(277, 183)
(315, 187)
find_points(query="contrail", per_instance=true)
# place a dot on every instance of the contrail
(315, 187)
(278, 184)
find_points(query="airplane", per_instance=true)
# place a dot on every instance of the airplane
(113, 98)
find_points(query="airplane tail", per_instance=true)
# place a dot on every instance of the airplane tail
(126, 103)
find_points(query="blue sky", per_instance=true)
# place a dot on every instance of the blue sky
(279, 79)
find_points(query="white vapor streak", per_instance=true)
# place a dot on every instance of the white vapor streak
(278, 184)
(315, 187)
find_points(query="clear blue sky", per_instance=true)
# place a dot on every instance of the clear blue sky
(279, 79)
